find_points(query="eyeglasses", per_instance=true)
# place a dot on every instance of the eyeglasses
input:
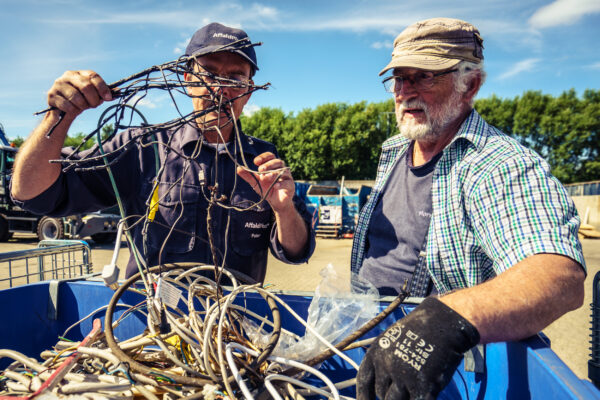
(423, 80)
(237, 82)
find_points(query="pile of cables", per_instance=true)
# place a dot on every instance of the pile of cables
(190, 339)
(176, 331)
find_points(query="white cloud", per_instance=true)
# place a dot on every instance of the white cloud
(388, 17)
(563, 12)
(143, 102)
(521, 66)
(264, 11)
(250, 109)
(231, 14)
(593, 66)
(382, 45)
(180, 47)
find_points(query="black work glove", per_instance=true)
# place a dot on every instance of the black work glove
(416, 357)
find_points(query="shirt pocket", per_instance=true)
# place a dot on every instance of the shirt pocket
(175, 220)
(251, 228)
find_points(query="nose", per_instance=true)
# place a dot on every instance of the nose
(227, 91)
(407, 91)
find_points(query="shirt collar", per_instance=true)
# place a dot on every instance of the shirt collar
(472, 130)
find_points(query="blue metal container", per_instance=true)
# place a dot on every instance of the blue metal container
(349, 200)
(529, 369)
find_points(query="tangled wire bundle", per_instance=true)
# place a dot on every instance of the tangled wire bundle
(194, 344)
(196, 339)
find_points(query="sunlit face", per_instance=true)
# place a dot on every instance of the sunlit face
(425, 114)
(232, 99)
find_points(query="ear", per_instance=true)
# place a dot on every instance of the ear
(472, 88)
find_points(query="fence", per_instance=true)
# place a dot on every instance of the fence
(584, 188)
(586, 196)
(52, 259)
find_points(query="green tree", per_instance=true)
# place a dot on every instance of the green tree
(328, 142)
(498, 112)
(307, 142)
(74, 141)
(563, 130)
(570, 127)
(590, 122)
(268, 124)
(529, 110)
(17, 142)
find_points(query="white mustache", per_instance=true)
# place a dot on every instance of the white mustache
(413, 103)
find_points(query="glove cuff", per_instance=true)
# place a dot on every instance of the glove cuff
(450, 323)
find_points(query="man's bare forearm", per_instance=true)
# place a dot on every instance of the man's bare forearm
(33, 173)
(291, 231)
(523, 300)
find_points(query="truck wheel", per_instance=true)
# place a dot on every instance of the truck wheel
(50, 229)
(104, 237)
(4, 232)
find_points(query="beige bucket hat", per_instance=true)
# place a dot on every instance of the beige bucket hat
(436, 44)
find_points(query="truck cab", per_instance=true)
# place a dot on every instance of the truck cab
(100, 226)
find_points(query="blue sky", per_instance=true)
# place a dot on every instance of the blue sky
(313, 52)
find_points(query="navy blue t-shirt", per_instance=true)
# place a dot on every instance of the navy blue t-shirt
(398, 225)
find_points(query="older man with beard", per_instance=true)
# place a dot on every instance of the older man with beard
(471, 219)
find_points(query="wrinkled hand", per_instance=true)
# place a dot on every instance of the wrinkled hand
(77, 91)
(416, 357)
(271, 171)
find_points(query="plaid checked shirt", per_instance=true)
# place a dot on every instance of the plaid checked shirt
(494, 204)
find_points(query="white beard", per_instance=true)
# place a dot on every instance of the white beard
(437, 118)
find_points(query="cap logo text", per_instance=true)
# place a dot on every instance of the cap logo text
(224, 35)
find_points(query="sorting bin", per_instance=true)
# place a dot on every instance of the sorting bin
(514, 370)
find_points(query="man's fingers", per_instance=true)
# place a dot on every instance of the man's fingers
(271, 165)
(263, 158)
(246, 175)
(92, 87)
(101, 86)
(365, 381)
(76, 91)
(252, 179)
(396, 393)
(65, 99)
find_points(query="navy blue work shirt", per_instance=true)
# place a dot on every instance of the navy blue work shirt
(179, 232)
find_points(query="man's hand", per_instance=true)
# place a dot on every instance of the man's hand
(292, 231)
(416, 357)
(77, 91)
(271, 172)
(70, 95)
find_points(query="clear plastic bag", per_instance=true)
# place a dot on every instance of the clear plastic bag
(334, 313)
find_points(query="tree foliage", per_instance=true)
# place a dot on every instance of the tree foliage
(565, 130)
(74, 141)
(329, 142)
(338, 139)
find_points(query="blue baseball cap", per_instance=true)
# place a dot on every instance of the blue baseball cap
(215, 37)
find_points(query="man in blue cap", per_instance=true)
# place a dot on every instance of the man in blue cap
(205, 213)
